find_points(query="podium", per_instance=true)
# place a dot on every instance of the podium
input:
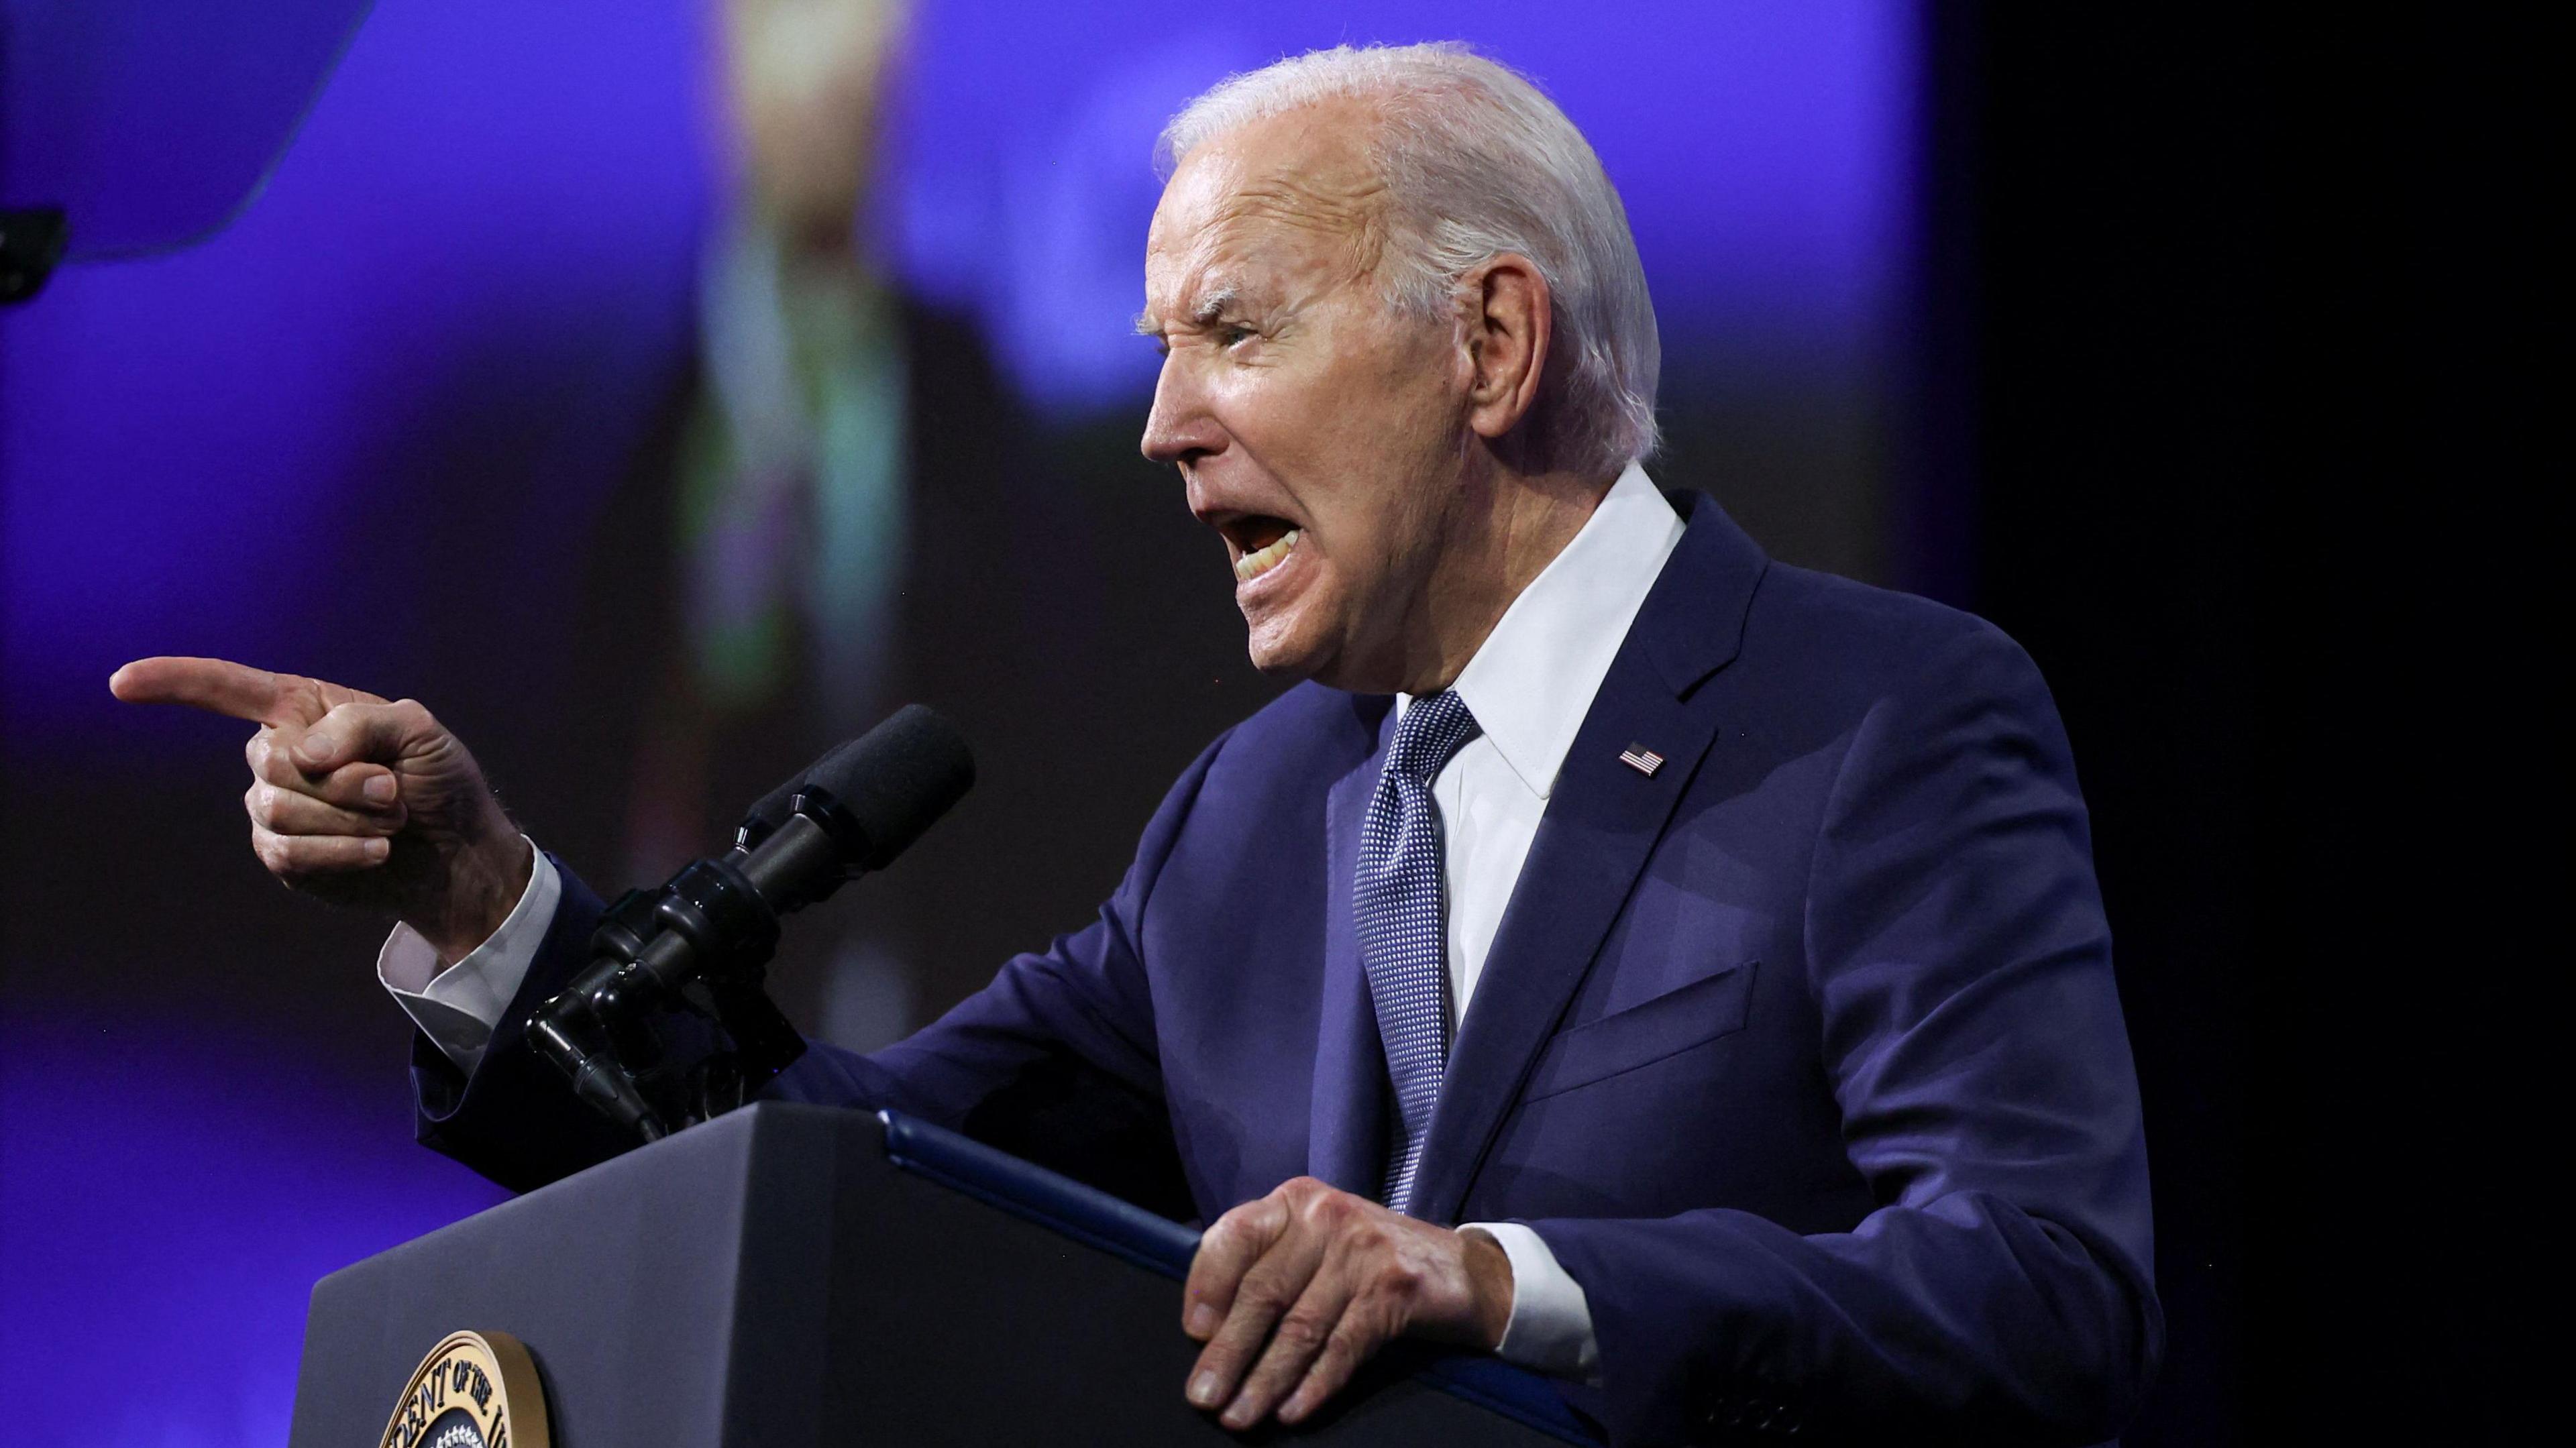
(790, 1275)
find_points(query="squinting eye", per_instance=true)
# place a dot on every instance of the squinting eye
(1231, 335)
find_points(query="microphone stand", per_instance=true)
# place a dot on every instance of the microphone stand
(695, 953)
(696, 949)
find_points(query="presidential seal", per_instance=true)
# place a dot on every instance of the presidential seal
(474, 1390)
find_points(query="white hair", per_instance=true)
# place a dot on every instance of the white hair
(1477, 163)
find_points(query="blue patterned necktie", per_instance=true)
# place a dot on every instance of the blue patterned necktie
(1403, 921)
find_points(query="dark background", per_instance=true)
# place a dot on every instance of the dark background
(2231, 356)
(2211, 382)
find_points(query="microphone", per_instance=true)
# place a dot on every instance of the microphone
(702, 941)
(859, 807)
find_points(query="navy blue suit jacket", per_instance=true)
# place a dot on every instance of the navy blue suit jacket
(1802, 1053)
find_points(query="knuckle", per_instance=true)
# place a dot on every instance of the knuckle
(1337, 1210)
(1271, 1218)
(1394, 1287)
(1216, 1246)
(1402, 1281)
(271, 764)
(1243, 1227)
(1303, 1332)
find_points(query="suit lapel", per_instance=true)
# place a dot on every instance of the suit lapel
(1603, 820)
(1346, 1135)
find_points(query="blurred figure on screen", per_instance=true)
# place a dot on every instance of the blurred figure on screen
(791, 466)
(761, 572)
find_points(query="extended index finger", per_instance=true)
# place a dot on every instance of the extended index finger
(217, 685)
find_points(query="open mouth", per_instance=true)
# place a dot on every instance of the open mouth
(1261, 544)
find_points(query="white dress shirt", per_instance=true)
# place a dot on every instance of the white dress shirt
(1529, 685)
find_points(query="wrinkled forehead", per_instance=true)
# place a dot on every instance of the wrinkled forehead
(1280, 206)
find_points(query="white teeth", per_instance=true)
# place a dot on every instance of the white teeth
(1252, 565)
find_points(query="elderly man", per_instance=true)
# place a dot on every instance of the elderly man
(1717, 941)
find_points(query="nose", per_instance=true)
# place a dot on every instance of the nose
(1180, 429)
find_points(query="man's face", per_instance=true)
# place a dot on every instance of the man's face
(1319, 433)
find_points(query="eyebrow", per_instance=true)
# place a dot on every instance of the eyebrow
(1208, 309)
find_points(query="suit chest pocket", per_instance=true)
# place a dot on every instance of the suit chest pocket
(1647, 1032)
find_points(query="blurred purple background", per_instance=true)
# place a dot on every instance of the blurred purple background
(367, 430)
(2194, 352)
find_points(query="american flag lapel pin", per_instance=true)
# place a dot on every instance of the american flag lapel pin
(1641, 759)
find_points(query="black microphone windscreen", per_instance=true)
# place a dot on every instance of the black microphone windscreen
(897, 779)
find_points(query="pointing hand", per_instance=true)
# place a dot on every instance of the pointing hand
(358, 800)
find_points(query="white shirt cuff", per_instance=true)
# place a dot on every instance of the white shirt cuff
(1551, 1326)
(458, 1008)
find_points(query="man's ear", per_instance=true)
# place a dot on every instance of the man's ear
(1510, 320)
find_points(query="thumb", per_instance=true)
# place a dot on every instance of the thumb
(354, 733)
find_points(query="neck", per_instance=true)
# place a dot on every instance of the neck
(1511, 526)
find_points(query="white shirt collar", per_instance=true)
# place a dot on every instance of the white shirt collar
(1531, 683)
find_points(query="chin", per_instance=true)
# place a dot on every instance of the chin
(1281, 649)
(1280, 661)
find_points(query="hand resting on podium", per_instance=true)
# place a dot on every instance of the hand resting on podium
(1325, 1278)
